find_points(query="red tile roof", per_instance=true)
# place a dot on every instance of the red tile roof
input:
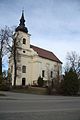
(45, 54)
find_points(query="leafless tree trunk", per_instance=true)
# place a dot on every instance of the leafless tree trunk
(15, 54)
(15, 62)
(0, 63)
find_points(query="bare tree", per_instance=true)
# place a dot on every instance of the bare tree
(5, 37)
(73, 61)
(9, 44)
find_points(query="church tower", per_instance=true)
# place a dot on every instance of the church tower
(22, 32)
(22, 52)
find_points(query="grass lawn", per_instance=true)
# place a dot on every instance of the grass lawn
(32, 90)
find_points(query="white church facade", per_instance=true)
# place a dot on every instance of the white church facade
(32, 61)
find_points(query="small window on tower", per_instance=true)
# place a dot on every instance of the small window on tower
(24, 41)
(23, 69)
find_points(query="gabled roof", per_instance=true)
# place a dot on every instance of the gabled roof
(45, 54)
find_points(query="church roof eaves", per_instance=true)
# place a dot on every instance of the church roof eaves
(45, 54)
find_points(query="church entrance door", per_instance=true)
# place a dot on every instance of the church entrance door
(23, 81)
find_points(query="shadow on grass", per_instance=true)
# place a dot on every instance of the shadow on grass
(1, 94)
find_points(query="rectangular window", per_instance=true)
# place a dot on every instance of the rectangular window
(23, 69)
(43, 73)
(51, 74)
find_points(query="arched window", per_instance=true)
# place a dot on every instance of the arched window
(23, 69)
(24, 41)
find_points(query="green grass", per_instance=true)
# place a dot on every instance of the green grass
(32, 90)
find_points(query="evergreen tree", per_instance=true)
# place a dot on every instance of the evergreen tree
(70, 83)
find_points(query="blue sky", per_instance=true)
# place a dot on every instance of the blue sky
(53, 24)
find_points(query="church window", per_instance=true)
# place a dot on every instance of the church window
(23, 69)
(51, 74)
(43, 73)
(23, 81)
(24, 41)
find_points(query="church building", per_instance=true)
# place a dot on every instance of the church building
(32, 61)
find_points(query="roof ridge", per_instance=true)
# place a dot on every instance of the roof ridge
(45, 53)
(41, 48)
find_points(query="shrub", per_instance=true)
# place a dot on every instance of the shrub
(40, 82)
(4, 87)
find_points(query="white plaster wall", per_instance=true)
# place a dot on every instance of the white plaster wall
(40, 64)
(34, 64)
(20, 35)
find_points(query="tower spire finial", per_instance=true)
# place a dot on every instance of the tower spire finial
(22, 20)
(22, 10)
(21, 26)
